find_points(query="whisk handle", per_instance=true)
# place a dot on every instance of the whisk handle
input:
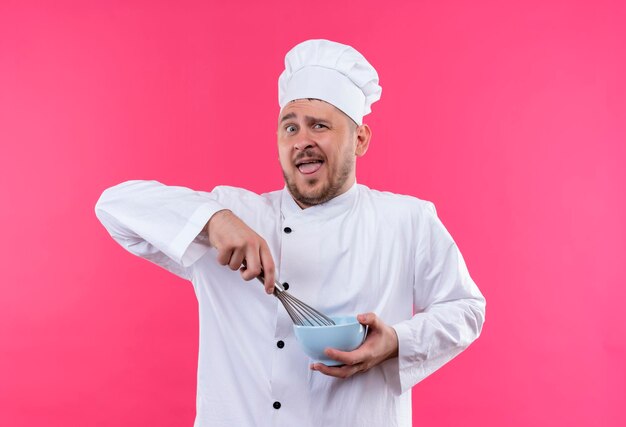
(278, 287)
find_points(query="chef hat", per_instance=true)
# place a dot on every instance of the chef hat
(330, 71)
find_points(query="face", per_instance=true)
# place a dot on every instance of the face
(317, 147)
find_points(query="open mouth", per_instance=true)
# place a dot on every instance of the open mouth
(308, 167)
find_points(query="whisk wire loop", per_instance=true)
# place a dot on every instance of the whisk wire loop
(301, 314)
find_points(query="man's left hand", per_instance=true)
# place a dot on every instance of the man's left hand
(381, 344)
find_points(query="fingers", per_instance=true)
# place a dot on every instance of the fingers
(382, 339)
(224, 255)
(236, 259)
(237, 245)
(269, 270)
(252, 265)
(257, 261)
(344, 371)
(359, 360)
(368, 319)
(349, 358)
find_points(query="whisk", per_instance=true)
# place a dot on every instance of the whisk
(301, 314)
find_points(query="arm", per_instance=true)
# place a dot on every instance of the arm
(160, 223)
(449, 309)
(174, 227)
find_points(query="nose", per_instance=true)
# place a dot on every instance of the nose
(304, 141)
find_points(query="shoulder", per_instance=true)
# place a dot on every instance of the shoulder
(394, 203)
(246, 202)
(226, 192)
(411, 214)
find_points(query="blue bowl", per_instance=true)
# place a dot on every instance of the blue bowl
(346, 335)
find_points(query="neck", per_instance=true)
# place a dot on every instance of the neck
(304, 205)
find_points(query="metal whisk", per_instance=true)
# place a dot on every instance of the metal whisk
(300, 313)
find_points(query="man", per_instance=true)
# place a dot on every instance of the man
(337, 245)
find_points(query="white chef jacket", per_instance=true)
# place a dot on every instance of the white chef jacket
(363, 251)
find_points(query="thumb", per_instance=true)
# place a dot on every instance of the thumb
(367, 318)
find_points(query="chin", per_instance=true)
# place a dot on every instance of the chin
(308, 191)
(314, 189)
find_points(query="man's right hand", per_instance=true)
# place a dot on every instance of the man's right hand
(236, 242)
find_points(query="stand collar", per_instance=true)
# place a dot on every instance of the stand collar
(333, 207)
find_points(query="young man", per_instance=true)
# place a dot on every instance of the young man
(335, 244)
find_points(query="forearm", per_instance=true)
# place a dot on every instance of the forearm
(432, 338)
(146, 215)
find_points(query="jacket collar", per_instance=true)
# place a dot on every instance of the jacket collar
(333, 207)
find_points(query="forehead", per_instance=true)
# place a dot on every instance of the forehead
(309, 107)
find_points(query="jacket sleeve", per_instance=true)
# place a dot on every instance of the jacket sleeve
(449, 309)
(157, 222)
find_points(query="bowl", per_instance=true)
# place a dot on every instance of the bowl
(346, 335)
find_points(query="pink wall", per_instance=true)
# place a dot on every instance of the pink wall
(511, 118)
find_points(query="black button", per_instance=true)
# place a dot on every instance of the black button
(287, 230)
(286, 285)
(276, 405)
(280, 344)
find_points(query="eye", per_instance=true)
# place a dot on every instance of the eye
(290, 127)
(319, 124)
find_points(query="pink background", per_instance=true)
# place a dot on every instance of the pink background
(511, 118)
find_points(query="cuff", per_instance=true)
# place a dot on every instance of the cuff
(394, 368)
(188, 246)
(409, 369)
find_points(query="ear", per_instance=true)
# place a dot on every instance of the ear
(364, 135)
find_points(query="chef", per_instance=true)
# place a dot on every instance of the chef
(337, 245)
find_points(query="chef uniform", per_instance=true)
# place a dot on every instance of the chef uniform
(362, 251)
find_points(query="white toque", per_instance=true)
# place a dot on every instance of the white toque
(330, 71)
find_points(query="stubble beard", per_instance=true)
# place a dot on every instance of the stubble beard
(328, 191)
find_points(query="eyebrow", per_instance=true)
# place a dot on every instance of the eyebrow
(308, 118)
(288, 116)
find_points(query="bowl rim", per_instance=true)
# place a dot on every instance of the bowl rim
(325, 327)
